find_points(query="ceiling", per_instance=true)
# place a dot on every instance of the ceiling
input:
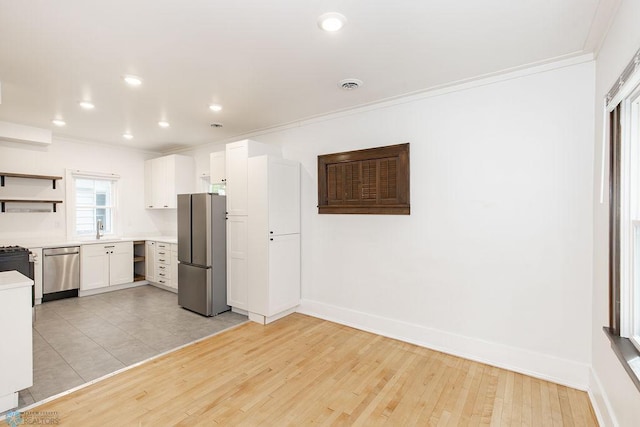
(266, 63)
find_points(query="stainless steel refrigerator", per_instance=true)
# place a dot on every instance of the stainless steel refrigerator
(202, 241)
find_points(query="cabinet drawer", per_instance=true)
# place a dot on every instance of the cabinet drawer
(163, 246)
(163, 281)
(163, 274)
(163, 258)
(163, 268)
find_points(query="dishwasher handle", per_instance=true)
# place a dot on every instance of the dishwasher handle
(61, 251)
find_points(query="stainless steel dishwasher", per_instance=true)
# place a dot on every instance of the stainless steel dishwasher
(60, 273)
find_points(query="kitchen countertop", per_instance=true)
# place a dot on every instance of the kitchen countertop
(12, 279)
(58, 242)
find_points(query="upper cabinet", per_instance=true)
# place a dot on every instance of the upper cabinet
(217, 167)
(165, 178)
(274, 195)
(236, 167)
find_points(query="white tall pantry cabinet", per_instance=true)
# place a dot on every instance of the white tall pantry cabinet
(274, 238)
(217, 174)
(237, 156)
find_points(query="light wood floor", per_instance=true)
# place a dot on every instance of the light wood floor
(302, 370)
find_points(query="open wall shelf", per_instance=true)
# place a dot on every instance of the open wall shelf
(3, 202)
(51, 178)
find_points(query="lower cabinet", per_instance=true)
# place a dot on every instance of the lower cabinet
(37, 273)
(274, 277)
(237, 281)
(106, 264)
(150, 261)
(162, 264)
(174, 266)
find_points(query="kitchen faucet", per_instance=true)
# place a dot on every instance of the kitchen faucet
(99, 227)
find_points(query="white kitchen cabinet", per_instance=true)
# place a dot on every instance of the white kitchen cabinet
(276, 182)
(105, 264)
(174, 266)
(94, 267)
(150, 261)
(237, 155)
(217, 174)
(165, 178)
(163, 264)
(37, 274)
(162, 260)
(237, 262)
(273, 238)
(16, 357)
(120, 263)
(148, 184)
(274, 276)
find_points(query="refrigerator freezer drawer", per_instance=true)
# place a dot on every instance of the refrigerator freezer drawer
(194, 292)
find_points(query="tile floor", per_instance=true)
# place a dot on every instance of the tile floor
(77, 340)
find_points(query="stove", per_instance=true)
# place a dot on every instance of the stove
(17, 258)
(12, 249)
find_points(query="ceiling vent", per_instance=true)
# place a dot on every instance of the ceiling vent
(216, 125)
(350, 84)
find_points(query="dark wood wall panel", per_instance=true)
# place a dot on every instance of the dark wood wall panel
(371, 181)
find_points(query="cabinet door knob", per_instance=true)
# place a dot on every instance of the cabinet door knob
(271, 232)
(271, 238)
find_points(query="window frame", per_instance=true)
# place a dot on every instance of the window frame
(624, 230)
(629, 310)
(71, 206)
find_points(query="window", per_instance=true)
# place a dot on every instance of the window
(629, 136)
(623, 105)
(93, 198)
(624, 254)
(371, 181)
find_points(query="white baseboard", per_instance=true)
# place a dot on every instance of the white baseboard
(600, 402)
(163, 287)
(86, 293)
(240, 311)
(264, 320)
(539, 365)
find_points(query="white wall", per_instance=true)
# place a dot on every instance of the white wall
(53, 160)
(494, 262)
(614, 393)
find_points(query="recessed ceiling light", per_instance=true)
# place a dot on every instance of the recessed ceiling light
(87, 105)
(127, 135)
(331, 21)
(215, 107)
(58, 122)
(163, 124)
(133, 80)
